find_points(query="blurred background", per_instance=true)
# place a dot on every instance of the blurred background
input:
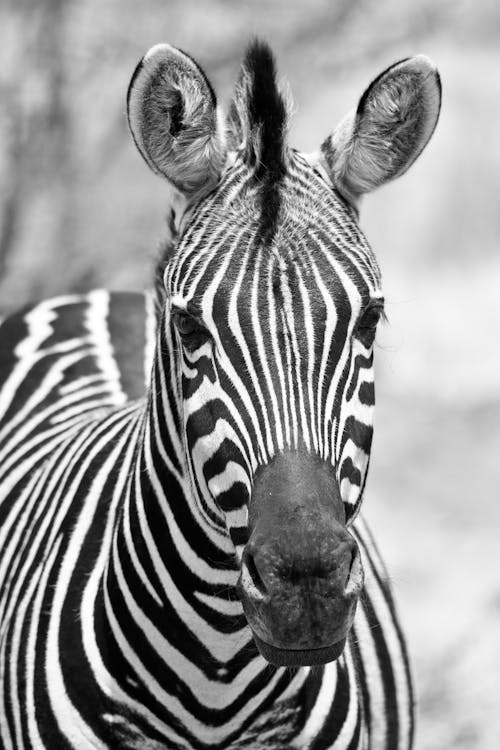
(78, 209)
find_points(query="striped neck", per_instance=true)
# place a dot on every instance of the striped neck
(169, 587)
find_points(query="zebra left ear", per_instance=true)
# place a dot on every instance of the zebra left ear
(391, 126)
(174, 120)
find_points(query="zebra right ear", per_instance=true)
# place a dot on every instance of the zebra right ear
(174, 120)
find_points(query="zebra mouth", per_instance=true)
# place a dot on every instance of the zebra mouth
(292, 657)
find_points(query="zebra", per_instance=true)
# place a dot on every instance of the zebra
(183, 563)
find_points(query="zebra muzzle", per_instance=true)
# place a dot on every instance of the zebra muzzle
(301, 572)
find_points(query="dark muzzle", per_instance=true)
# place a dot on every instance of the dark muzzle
(301, 573)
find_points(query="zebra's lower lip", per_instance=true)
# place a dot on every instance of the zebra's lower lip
(291, 657)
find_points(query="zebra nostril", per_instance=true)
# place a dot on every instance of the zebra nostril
(253, 572)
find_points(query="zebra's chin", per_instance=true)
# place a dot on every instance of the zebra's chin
(291, 657)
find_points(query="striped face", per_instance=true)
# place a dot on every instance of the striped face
(275, 337)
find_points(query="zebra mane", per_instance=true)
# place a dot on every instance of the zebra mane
(258, 115)
(258, 123)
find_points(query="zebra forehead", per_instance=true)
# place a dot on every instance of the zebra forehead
(314, 236)
(313, 256)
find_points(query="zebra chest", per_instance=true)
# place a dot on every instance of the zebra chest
(271, 733)
(317, 717)
(276, 729)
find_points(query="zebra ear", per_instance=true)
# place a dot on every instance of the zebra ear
(391, 126)
(174, 120)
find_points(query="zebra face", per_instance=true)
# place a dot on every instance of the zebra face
(275, 354)
(272, 298)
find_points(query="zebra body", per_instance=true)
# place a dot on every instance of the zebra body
(136, 608)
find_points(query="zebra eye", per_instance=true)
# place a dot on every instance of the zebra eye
(367, 324)
(187, 326)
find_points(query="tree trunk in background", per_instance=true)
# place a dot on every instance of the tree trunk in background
(36, 164)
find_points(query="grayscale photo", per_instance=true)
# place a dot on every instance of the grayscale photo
(249, 383)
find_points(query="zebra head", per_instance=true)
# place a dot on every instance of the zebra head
(271, 302)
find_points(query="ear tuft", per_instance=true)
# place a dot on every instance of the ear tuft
(174, 120)
(391, 126)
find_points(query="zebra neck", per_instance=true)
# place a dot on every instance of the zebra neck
(170, 588)
(171, 572)
(170, 614)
